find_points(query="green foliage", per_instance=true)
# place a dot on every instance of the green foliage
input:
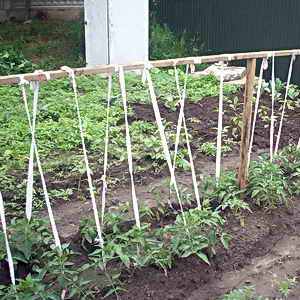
(224, 194)
(28, 240)
(244, 293)
(29, 288)
(166, 44)
(289, 161)
(210, 149)
(51, 271)
(14, 62)
(286, 286)
(207, 86)
(49, 44)
(63, 276)
(58, 135)
(196, 233)
(267, 184)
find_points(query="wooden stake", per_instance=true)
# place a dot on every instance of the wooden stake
(247, 114)
(110, 69)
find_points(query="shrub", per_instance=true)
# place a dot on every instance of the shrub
(203, 230)
(267, 184)
(166, 44)
(224, 194)
(289, 161)
(14, 62)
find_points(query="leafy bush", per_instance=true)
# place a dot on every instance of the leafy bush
(14, 62)
(289, 161)
(224, 194)
(267, 184)
(166, 44)
(48, 270)
(199, 236)
(210, 149)
(28, 240)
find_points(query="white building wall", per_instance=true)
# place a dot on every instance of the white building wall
(129, 30)
(96, 32)
(116, 31)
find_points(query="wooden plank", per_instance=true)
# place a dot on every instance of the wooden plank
(247, 114)
(110, 69)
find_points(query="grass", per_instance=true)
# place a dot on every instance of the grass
(48, 44)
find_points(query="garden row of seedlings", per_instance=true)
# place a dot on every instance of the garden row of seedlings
(195, 231)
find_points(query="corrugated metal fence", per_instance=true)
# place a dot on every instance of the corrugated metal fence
(237, 25)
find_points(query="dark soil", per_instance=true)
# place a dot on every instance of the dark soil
(192, 279)
(202, 123)
(21, 271)
(202, 120)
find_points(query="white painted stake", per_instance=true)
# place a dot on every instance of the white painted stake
(9, 256)
(104, 188)
(163, 138)
(181, 112)
(129, 148)
(285, 102)
(182, 97)
(88, 170)
(29, 188)
(298, 146)
(39, 165)
(264, 66)
(272, 109)
(220, 126)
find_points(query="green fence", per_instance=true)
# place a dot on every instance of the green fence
(237, 25)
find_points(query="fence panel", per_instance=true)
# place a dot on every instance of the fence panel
(236, 25)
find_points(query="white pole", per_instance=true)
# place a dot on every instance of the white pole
(220, 125)
(272, 109)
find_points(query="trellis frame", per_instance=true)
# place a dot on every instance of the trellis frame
(111, 69)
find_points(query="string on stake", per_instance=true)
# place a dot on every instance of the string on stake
(163, 138)
(129, 148)
(181, 112)
(220, 125)
(29, 186)
(293, 58)
(35, 86)
(8, 252)
(88, 170)
(264, 66)
(104, 188)
(272, 108)
(181, 119)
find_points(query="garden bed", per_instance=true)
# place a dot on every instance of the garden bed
(262, 253)
(257, 237)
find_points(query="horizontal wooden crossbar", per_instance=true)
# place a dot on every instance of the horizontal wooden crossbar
(110, 69)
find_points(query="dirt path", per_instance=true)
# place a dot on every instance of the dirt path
(265, 273)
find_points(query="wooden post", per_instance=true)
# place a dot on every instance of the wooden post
(247, 115)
